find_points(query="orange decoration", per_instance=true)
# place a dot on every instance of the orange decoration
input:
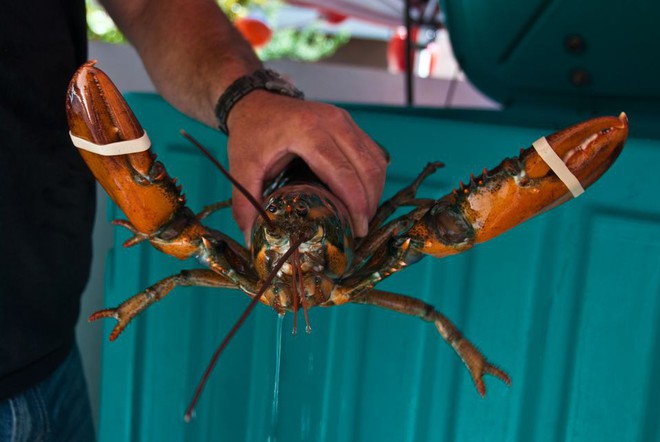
(255, 31)
(332, 17)
(396, 50)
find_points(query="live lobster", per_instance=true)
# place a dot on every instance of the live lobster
(303, 253)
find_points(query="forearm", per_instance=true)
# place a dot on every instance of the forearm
(193, 53)
(190, 49)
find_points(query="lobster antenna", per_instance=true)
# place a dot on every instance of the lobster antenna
(243, 190)
(188, 416)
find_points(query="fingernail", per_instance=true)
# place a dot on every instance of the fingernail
(362, 227)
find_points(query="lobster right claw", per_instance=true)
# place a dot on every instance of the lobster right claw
(99, 117)
(98, 113)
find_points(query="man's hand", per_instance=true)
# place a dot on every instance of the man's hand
(267, 130)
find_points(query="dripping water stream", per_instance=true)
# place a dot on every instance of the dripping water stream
(274, 413)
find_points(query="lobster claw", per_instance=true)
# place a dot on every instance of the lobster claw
(587, 149)
(519, 188)
(136, 182)
(524, 187)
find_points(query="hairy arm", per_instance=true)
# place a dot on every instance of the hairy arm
(193, 53)
(190, 49)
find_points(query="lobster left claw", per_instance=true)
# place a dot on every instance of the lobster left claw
(519, 188)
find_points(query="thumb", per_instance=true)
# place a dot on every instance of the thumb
(243, 210)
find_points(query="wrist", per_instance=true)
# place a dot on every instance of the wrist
(260, 80)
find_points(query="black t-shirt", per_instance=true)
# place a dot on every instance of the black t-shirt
(46, 192)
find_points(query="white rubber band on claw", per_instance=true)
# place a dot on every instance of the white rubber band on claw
(117, 148)
(558, 166)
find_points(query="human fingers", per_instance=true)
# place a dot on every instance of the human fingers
(251, 170)
(368, 159)
(332, 166)
(345, 159)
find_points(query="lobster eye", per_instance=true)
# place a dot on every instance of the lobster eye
(272, 208)
(302, 209)
(606, 130)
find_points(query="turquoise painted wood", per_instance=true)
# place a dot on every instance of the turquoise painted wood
(568, 304)
(589, 54)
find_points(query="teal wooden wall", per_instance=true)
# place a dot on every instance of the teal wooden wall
(518, 53)
(568, 304)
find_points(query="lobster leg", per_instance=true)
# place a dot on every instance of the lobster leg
(405, 197)
(211, 208)
(476, 363)
(139, 237)
(133, 306)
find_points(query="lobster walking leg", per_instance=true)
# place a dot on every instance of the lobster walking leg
(405, 197)
(212, 208)
(133, 306)
(475, 362)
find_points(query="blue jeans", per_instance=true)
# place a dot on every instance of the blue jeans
(57, 409)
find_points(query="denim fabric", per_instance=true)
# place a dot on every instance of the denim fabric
(57, 409)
